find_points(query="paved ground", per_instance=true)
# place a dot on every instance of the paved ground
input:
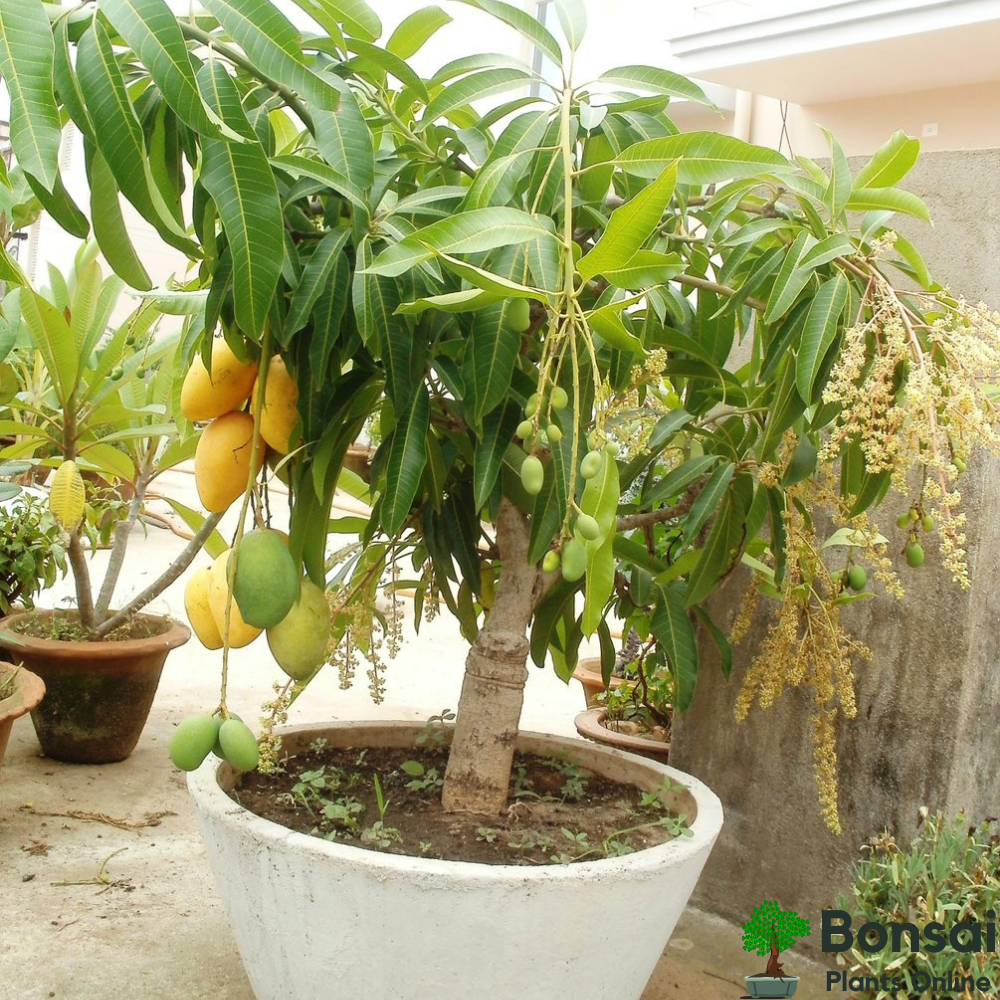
(105, 889)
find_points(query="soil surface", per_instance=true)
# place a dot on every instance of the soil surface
(66, 627)
(557, 813)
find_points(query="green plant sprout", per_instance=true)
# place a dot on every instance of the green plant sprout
(773, 930)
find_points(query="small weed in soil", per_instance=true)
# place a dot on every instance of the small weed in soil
(66, 627)
(389, 800)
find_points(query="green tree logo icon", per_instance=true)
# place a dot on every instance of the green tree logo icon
(771, 930)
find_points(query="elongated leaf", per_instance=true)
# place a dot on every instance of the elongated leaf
(109, 224)
(524, 23)
(630, 226)
(819, 332)
(51, 336)
(119, 135)
(271, 42)
(407, 457)
(707, 501)
(891, 163)
(864, 199)
(488, 281)
(572, 16)
(474, 87)
(786, 407)
(672, 627)
(645, 268)
(358, 19)
(489, 360)
(61, 206)
(607, 323)
(241, 183)
(26, 56)
(302, 166)
(839, 189)
(390, 64)
(703, 158)
(195, 520)
(415, 29)
(469, 232)
(678, 479)
(344, 140)
(467, 300)
(723, 546)
(911, 255)
(666, 427)
(791, 279)
(315, 279)
(833, 246)
(656, 81)
(496, 437)
(151, 28)
(106, 459)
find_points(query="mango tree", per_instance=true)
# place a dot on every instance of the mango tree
(608, 360)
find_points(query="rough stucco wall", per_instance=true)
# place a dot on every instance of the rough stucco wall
(928, 702)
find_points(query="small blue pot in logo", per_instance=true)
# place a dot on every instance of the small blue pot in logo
(771, 986)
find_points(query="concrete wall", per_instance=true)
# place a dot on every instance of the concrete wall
(929, 701)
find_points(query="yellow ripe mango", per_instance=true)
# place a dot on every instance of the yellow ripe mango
(204, 396)
(222, 460)
(240, 634)
(279, 411)
(298, 642)
(199, 611)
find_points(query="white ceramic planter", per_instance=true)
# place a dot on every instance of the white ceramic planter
(315, 919)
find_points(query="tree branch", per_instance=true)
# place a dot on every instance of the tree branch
(157, 587)
(118, 547)
(714, 286)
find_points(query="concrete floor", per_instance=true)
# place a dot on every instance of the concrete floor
(106, 892)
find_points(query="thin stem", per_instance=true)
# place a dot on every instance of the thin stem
(159, 585)
(714, 286)
(120, 544)
(193, 32)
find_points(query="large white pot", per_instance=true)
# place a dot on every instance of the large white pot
(315, 919)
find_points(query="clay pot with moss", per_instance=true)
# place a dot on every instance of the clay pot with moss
(20, 693)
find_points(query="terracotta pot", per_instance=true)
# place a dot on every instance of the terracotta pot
(588, 673)
(590, 725)
(28, 692)
(98, 693)
(307, 912)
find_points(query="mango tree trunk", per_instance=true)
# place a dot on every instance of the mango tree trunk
(489, 710)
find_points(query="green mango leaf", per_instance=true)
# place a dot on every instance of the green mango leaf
(657, 81)
(474, 87)
(272, 44)
(792, 278)
(315, 279)
(391, 64)
(864, 199)
(678, 479)
(490, 449)
(61, 206)
(106, 459)
(151, 28)
(415, 29)
(490, 358)
(523, 23)
(407, 458)
(645, 268)
(358, 19)
(468, 232)
(572, 16)
(303, 166)
(26, 64)
(109, 223)
(51, 337)
(724, 541)
(629, 227)
(702, 158)
(891, 162)
(467, 300)
(838, 191)
(707, 501)
(819, 333)
(671, 624)
(344, 139)
(607, 323)
(241, 183)
(830, 248)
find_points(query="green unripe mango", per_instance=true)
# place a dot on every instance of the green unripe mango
(928, 523)
(903, 521)
(217, 748)
(588, 527)
(239, 745)
(550, 561)
(959, 464)
(298, 642)
(857, 577)
(525, 429)
(559, 398)
(531, 405)
(519, 315)
(574, 560)
(192, 741)
(914, 555)
(267, 580)
(554, 433)
(590, 465)
(532, 475)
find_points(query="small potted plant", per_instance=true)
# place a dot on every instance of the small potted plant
(769, 931)
(95, 399)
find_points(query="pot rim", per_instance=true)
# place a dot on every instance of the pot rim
(176, 634)
(203, 784)
(772, 979)
(28, 692)
(592, 719)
